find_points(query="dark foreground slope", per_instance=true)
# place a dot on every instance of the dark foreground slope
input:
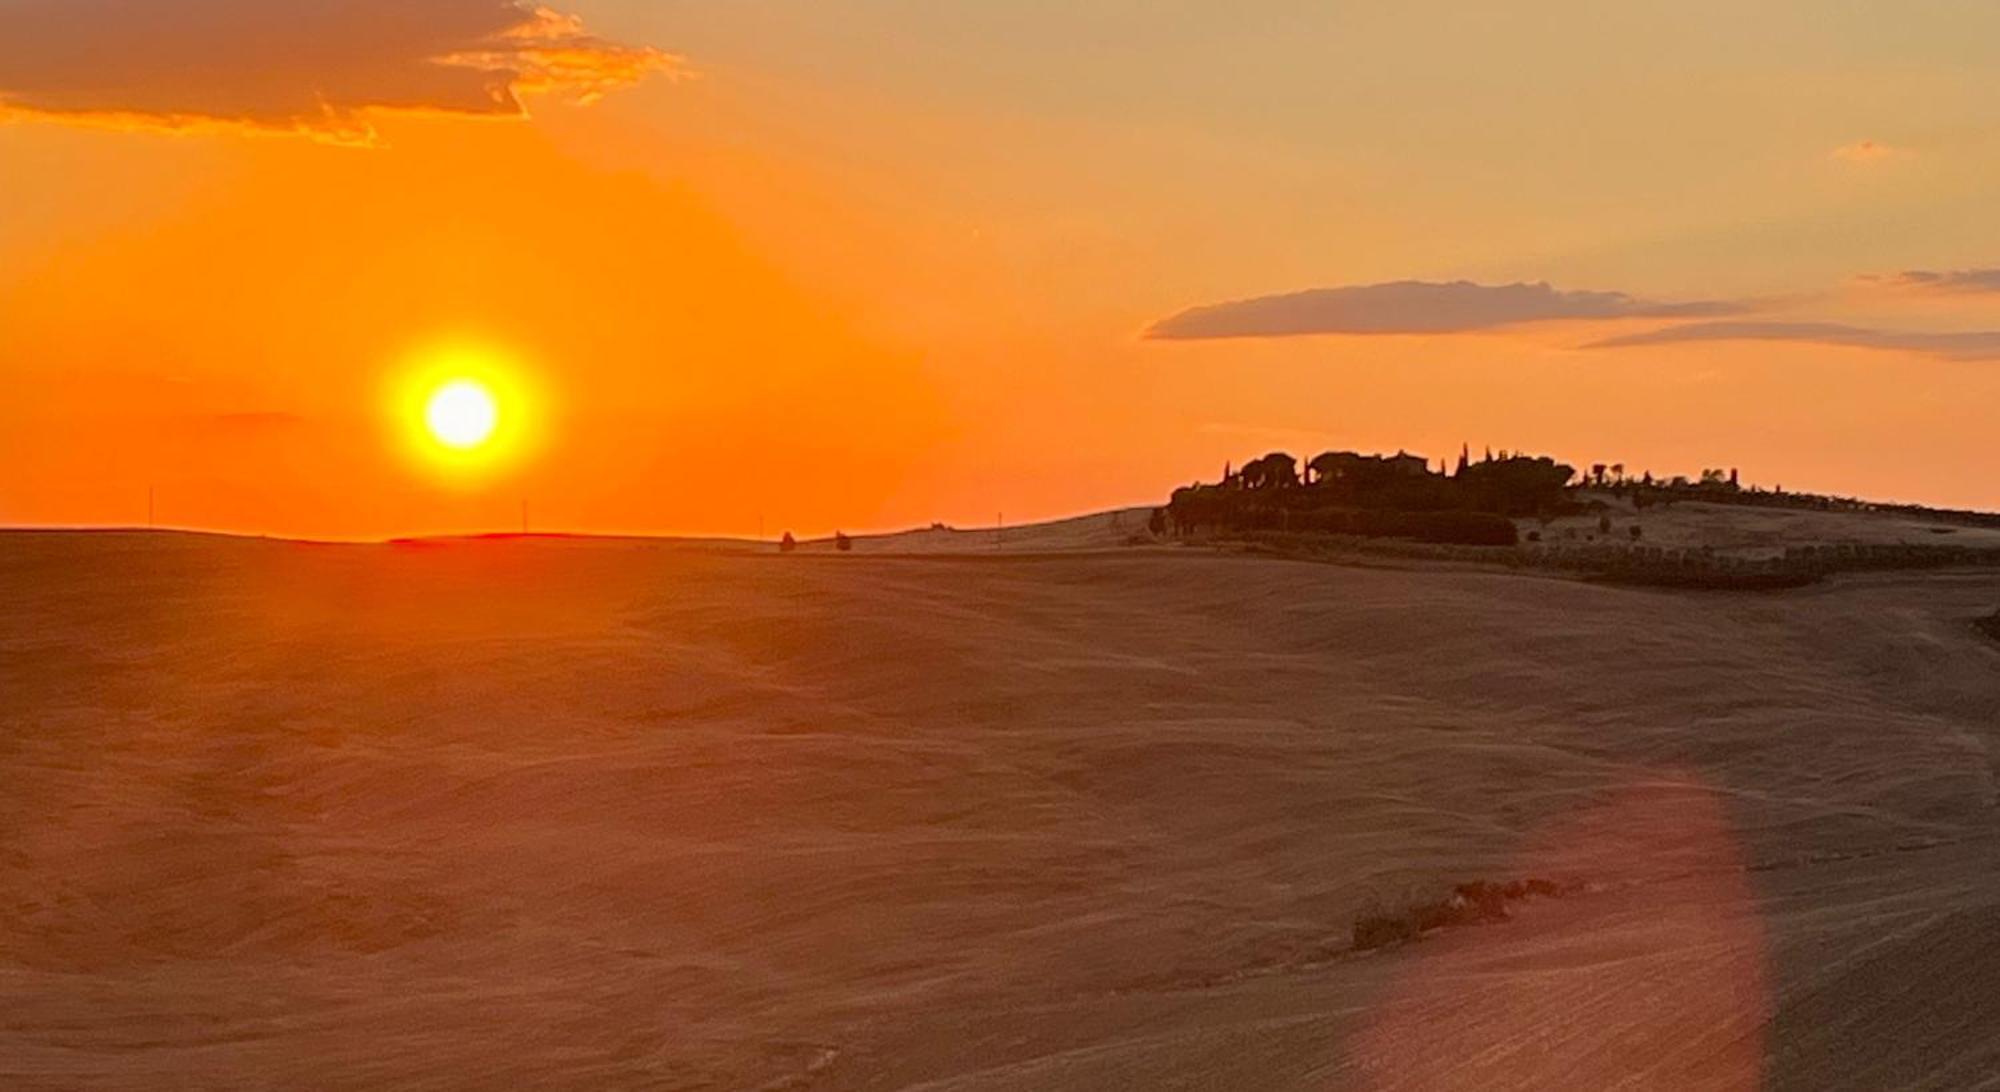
(585, 815)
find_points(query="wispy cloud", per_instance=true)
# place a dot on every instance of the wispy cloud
(1867, 151)
(313, 67)
(1957, 280)
(1279, 435)
(1415, 307)
(1967, 345)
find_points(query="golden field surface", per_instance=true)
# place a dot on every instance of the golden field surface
(1060, 814)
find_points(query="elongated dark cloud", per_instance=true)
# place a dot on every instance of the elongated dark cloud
(254, 420)
(1414, 307)
(316, 67)
(1970, 345)
(1956, 280)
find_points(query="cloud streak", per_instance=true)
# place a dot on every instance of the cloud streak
(312, 67)
(1414, 307)
(1957, 280)
(1966, 345)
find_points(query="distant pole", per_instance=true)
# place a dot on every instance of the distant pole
(999, 529)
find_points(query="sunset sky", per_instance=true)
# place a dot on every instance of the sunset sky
(874, 264)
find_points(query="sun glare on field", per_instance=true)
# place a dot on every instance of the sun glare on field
(462, 414)
(465, 409)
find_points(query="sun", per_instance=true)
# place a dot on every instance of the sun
(466, 410)
(462, 414)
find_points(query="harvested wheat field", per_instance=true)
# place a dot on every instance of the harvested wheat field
(552, 813)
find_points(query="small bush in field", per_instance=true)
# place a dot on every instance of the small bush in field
(1470, 904)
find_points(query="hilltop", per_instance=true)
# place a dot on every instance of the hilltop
(1534, 512)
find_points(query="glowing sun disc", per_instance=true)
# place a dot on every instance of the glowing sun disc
(462, 414)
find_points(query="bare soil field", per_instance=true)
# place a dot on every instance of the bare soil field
(1026, 811)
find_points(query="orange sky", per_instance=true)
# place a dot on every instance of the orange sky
(809, 274)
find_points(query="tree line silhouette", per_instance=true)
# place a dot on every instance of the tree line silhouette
(1716, 485)
(1375, 496)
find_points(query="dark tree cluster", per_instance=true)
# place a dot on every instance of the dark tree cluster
(1376, 496)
